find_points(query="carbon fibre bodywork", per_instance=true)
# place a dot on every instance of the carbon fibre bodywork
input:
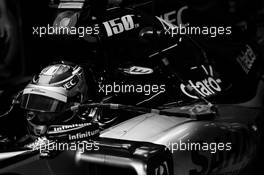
(154, 144)
(237, 125)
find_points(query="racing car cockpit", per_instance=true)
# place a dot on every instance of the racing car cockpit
(48, 100)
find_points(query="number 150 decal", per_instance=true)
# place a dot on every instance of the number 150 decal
(119, 25)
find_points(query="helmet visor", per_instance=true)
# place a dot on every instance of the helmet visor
(39, 103)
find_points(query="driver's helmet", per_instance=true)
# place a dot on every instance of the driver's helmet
(49, 97)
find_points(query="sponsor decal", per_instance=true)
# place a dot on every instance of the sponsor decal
(166, 25)
(70, 84)
(86, 134)
(179, 14)
(119, 25)
(246, 59)
(206, 87)
(174, 16)
(169, 16)
(137, 70)
(69, 127)
(73, 132)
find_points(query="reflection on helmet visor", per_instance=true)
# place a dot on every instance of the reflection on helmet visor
(41, 103)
